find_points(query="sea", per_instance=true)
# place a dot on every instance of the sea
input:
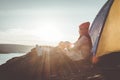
(5, 57)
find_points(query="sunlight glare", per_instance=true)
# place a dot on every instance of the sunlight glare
(49, 31)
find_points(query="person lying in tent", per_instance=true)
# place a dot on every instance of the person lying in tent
(82, 47)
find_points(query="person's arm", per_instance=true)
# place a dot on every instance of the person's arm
(80, 42)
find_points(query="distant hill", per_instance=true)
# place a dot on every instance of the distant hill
(14, 48)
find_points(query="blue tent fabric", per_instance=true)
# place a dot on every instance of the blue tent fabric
(98, 25)
(109, 64)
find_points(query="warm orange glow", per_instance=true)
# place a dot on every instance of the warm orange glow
(94, 60)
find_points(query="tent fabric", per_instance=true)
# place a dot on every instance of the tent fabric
(110, 37)
(98, 24)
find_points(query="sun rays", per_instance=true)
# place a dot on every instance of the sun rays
(53, 63)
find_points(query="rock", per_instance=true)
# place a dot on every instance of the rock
(52, 65)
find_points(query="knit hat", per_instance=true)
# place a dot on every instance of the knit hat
(84, 25)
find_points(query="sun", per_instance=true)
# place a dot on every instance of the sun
(48, 31)
(50, 34)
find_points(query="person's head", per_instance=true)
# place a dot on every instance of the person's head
(83, 28)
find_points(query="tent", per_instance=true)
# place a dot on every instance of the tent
(105, 30)
(105, 35)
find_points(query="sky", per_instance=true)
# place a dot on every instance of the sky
(44, 22)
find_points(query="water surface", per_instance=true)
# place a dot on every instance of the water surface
(6, 57)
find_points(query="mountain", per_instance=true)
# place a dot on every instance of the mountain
(52, 64)
(14, 48)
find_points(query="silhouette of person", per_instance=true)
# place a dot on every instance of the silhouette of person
(82, 47)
